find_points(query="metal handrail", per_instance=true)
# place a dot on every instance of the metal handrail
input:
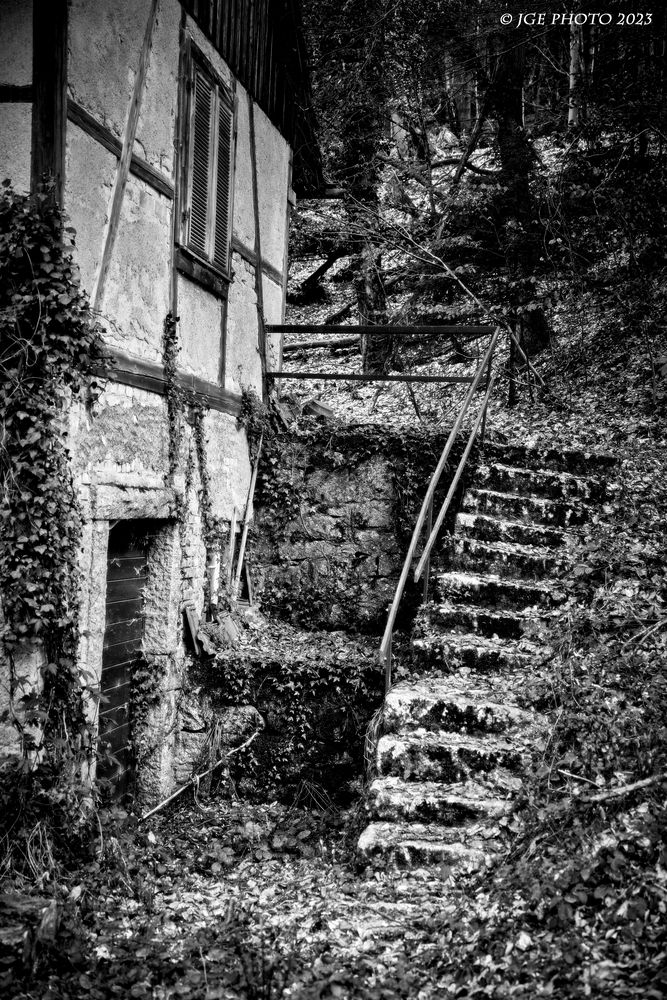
(455, 481)
(385, 645)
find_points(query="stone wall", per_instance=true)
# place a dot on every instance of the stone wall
(119, 449)
(333, 519)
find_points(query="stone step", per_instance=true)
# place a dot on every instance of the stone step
(450, 758)
(497, 529)
(574, 460)
(466, 618)
(448, 652)
(492, 590)
(530, 510)
(542, 483)
(393, 800)
(506, 558)
(421, 845)
(458, 704)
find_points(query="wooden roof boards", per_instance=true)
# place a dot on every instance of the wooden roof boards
(262, 42)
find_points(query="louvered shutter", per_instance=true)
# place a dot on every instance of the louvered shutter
(223, 185)
(200, 165)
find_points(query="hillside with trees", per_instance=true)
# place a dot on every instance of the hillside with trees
(487, 171)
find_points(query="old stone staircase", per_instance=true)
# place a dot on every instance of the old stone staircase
(453, 742)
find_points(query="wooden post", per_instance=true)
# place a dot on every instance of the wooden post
(246, 520)
(49, 109)
(261, 329)
(231, 550)
(388, 664)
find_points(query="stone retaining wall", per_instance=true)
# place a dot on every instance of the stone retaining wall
(331, 557)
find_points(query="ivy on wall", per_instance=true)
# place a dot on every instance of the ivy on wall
(315, 697)
(174, 393)
(50, 351)
(50, 348)
(181, 405)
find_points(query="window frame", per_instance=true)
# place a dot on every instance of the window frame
(200, 267)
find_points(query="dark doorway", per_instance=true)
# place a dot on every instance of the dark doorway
(127, 574)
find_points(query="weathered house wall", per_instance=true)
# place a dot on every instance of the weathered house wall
(136, 270)
(16, 73)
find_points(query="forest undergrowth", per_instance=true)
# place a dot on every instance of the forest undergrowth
(226, 898)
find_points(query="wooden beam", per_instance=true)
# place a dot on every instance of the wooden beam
(49, 86)
(327, 345)
(15, 94)
(125, 157)
(127, 370)
(138, 166)
(272, 272)
(385, 331)
(239, 247)
(200, 273)
(357, 377)
(261, 329)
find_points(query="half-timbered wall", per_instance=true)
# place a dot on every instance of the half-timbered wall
(127, 170)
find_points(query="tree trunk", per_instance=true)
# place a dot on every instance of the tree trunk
(575, 76)
(376, 352)
(520, 236)
(365, 115)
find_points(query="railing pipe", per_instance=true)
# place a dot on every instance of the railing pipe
(385, 645)
(429, 529)
(454, 484)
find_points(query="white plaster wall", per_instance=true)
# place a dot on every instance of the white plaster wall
(243, 365)
(273, 157)
(244, 215)
(104, 45)
(157, 118)
(89, 175)
(16, 42)
(15, 126)
(273, 313)
(200, 329)
(228, 464)
(136, 297)
(124, 434)
(92, 610)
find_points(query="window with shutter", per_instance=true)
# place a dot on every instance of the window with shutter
(206, 191)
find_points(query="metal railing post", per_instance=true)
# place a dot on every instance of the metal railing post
(427, 570)
(454, 484)
(488, 380)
